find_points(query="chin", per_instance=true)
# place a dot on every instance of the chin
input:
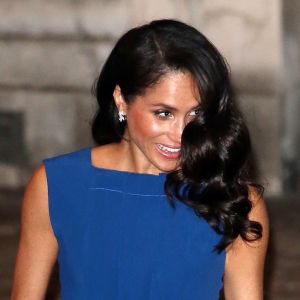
(168, 166)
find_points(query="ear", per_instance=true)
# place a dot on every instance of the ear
(119, 99)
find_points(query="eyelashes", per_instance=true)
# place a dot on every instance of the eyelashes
(166, 114)
(196, 111)
(163, 114)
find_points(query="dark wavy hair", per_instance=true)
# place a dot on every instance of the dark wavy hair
(213, 175)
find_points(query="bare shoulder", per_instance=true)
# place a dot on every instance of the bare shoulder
(37, 184)
(35, 200)
(244, 266)
(38, 247)
(258, 213)
(38, 178)
(259, 210)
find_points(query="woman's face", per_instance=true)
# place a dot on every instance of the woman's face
(156, 119)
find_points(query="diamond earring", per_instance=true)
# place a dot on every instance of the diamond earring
(122, 116)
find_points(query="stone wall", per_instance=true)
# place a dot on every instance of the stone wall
(52, 51)
(291, 103)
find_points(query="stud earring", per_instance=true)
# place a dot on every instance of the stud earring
(122, 116)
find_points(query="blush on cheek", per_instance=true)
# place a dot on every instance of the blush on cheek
(144, 125)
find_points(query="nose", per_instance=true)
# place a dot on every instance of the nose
(175, 130)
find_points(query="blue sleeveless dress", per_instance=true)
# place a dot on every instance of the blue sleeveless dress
(119, 238)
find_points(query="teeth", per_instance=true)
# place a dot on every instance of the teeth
(168, 149)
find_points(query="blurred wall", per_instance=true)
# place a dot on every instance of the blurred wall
(291, 103)
(51, 52)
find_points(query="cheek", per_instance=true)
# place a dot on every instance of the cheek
(144, 125)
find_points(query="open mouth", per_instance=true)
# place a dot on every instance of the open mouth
(168, 152)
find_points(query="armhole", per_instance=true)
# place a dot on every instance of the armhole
(51, 200)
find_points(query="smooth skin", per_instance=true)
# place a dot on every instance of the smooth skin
(38, 247)
(155, 118)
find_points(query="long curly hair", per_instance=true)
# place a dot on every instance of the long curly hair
(213, 175)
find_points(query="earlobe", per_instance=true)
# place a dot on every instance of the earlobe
(119, 99)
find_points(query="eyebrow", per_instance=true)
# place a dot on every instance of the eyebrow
(171, 107)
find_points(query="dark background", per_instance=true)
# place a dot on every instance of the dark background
(52, 51)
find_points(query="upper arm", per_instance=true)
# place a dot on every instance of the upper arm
(37, 249)
(244, 266)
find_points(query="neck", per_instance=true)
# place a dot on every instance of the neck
(132, 159)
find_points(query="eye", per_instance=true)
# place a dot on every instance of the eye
(163, 114)
(195, 112)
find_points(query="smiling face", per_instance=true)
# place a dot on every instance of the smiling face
(156, 119)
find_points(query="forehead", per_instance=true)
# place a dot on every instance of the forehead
(173, 88)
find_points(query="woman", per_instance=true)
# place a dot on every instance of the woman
(162, 207)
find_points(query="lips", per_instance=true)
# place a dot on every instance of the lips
(170, 152)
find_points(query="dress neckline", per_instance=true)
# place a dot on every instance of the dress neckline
(119, 172)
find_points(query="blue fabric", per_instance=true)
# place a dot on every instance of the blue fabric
(119, 238)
